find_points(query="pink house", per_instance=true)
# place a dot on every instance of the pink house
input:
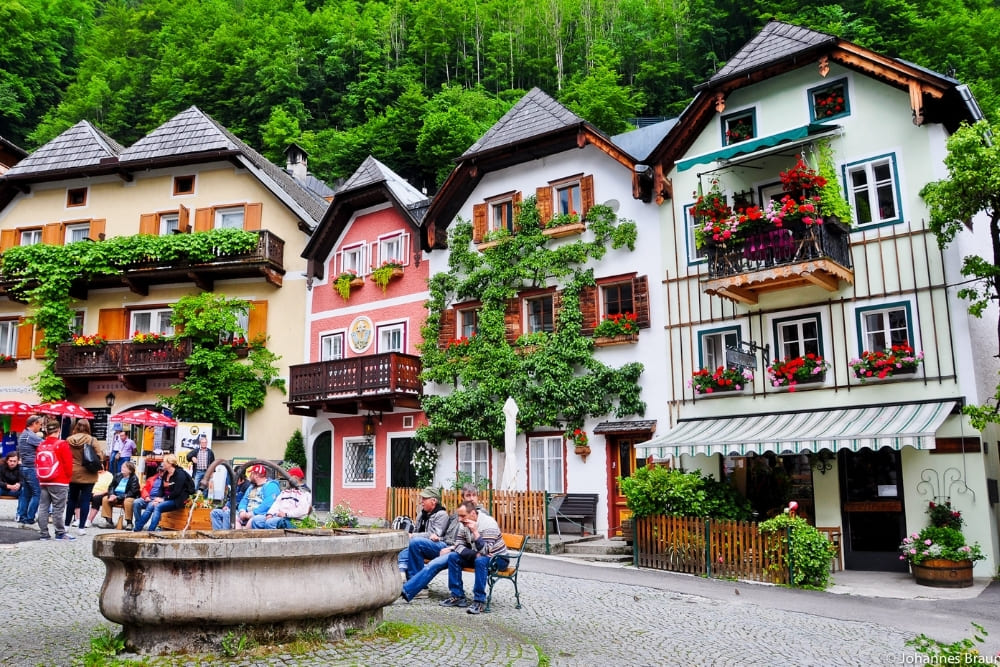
(360, 392)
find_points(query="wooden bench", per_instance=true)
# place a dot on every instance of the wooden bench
(576, 508)
(515, 549)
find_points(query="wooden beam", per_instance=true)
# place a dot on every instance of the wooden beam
(824, 280)
(736, 294)
(133, 382)
(917, 102)
(201, 281)
(141, 289)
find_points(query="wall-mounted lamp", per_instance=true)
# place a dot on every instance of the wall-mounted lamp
(109, 400)
(369, 426)
(822, 461)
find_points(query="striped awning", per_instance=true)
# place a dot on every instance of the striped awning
(874, 427)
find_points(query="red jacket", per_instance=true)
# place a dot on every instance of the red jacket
(64, 474)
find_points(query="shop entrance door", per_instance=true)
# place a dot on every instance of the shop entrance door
(872, 509)
(622, 458)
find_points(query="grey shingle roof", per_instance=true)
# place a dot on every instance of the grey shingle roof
(372, 171)
(81, 146)
(534, 114)
(640, 143)
(626, 426)
(777, 41)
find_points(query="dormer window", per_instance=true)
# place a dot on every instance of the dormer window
(739, 126)
(76, 197)
(829, 101)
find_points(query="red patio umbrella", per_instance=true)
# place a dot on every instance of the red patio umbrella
(64, 409)
(16, 408)
(143, 417)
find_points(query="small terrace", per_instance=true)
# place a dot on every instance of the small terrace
(378, 382)
(125, 361)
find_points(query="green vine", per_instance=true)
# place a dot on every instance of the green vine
(43, 275)
(557, 383)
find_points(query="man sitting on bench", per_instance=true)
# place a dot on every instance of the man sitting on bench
(479, 539)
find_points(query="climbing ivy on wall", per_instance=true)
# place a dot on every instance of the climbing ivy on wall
(554, 377)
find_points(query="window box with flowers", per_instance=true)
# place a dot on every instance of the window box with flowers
(457, 349)
(389, 270)
(830, 101)
(789, 373)
(720, 381)
(564, 224)
(240, 346)
(7, 361)
(581, 444)
(738, 127)
(620, 329)
(939, 555)
(896, 360)
(143, 338)
(346, 282)
(93, 340)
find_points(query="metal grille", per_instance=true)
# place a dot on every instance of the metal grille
(359, 462)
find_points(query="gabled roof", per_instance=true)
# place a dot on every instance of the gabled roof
(535, 127)
(82, 148)
(12, 148)
(641, 142)
(371, 184)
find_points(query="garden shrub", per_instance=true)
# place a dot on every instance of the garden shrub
(810, 551)
(653, 490)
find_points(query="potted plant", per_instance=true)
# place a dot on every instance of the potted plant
(581, 445)
(938, 555)
(345, 282)
(7, 361)
(93, 340)
(713, 217)
(896, 360)
(790, 372)
(147, 337)
(722, 379)
(616, 329)
(390, 270)
(564, 224)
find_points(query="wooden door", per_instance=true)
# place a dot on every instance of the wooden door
(322, 472)
(622, 464)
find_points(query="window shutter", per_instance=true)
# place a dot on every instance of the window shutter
(202, 219)
(447, 330)
(512, 320)
(149, 223)
(586, 194)
(257, 322)
(479, 223)
(97, 229)
(25, 340)
(251, 217)
(184, 220)
(543, 196)
(556, 307)
(53, 233)
(640, 297)
(38, 349)
(8, 239)
(404, 248)
(588, 309)
(111, 323)
(516, 210)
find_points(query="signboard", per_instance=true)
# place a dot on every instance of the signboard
(741, 359)
(188, 433)
(99, 424)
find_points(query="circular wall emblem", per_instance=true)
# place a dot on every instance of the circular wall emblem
(360, 334)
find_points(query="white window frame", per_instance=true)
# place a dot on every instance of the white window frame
(712, 346)
(242, 329)
(169, 223)
(156, 321)
(801, 342)
(77, 231)
(76, 326)
(546, 456)
(385, 333)
(352, 447)
(393, 248)
(225, 216)
(868, 336)
(8, 337)
(30, 236)
(869, 192)
(474, 459)
(531, 324)
(331, 346)
(354, 258)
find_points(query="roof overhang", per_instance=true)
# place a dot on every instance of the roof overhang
(873, 427)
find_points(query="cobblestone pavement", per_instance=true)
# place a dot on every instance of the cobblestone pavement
(51, 606)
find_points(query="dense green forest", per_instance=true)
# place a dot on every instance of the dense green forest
(415, 82)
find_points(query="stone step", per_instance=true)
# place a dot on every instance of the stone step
(600, 558)
(599, 547)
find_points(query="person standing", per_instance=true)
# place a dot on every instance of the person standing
(202, 457)
(27, 443)
(54, 478)
(115, 447)
(126, 448)
(81, 485)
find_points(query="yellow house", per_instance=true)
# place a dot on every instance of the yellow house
(189, 175)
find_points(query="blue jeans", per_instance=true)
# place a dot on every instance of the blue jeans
(220, 518)
(151, 512)
(114, 463)
(421, 573)
(261, 522)
(31, 491)
(79, 497)
(197, 481)
(455, 585)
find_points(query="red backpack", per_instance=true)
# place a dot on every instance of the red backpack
(47, 461)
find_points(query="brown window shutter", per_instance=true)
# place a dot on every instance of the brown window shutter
(251, 217)
(447, 331)
(478, 223)
(97, 229)
(111, 323)
(257, 322)
(184, 220)
(25, 340)
(38, 349)
(149, 223)
(53, 233)
(8, 239)
(512, 320)
(516, 210)
(640, 298)
(202, 219)
(586, 194)
(544, 198)
(588, 309)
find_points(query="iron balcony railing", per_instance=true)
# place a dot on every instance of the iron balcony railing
(794, 244)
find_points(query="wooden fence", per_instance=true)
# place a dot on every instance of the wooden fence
(521, 512)
(721, 549)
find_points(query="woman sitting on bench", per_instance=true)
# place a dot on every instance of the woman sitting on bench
(122, 492)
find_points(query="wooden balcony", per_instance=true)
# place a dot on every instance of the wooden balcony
(378, 382)
(781, 259)
(129, 363)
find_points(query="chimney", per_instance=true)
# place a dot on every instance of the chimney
(296, 163)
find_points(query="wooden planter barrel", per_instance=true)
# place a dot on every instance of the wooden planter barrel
(941, 573)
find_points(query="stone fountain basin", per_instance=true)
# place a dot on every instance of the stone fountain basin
(182, 591)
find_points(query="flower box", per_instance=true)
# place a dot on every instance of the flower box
(357, 283)
(564, 230)
(943, 573)
(607, 341)
(8, 363)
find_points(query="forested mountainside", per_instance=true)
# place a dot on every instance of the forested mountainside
(415, 82)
